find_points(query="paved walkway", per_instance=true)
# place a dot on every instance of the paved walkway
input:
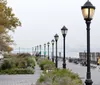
(27, 79)
(37, 74)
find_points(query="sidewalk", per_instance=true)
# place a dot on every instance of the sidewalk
(37, 73)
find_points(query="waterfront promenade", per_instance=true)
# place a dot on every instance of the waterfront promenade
(32, 78)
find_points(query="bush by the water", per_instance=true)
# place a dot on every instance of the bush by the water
(17, 64)
(45, 64)
(59, 77)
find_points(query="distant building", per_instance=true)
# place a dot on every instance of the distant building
(93, 56)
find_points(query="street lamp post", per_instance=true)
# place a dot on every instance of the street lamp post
(37, 49)
(64, 32)
(48, 49)
(44, 50)
(52, 50)
(56, 39)
(40, 50)
(32, 50)
(88, 12)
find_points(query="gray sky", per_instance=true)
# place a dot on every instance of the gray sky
(42, 19)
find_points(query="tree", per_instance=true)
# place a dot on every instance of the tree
(8, 22)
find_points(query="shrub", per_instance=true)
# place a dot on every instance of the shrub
(6, 55)
(6, 65)
(59, 77)
(27, 70)
(31, 62)
(22, 64)
(49, 66)
(16, 64)
(46, 64)
(24, 54)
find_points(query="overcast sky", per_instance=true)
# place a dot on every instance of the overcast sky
(42, 19)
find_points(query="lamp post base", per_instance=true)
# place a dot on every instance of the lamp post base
(88, 82)
(64, 65)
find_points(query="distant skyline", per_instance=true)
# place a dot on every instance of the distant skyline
(42, 19)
